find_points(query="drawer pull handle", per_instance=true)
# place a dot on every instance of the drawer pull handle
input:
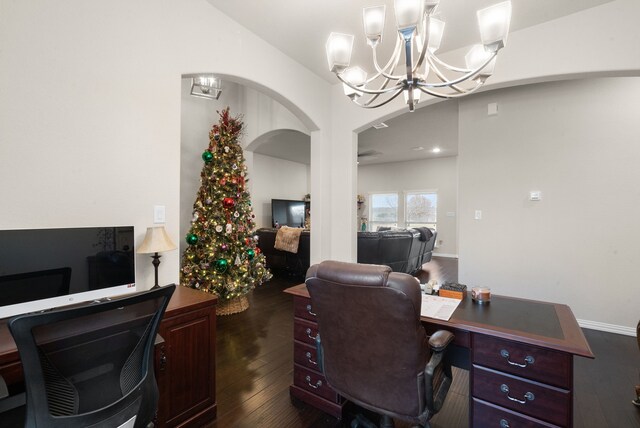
(504, 423)
(309, 334)
(527, 396)
(309, 310)
(528, 360)
(310, 360)
(316, 386)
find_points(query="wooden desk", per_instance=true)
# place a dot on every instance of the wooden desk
(184, 360)
(519, 353)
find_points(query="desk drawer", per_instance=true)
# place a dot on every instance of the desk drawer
(528, 361)
(302, 308)
(531, 398)
(489, 416)
(305, 331)
(305, 355)
(314, 382)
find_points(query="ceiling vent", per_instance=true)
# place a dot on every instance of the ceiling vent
(380, 125)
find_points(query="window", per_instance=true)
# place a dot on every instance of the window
(383, 210)
(420, 209)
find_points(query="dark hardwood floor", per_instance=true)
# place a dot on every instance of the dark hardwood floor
(255, 368)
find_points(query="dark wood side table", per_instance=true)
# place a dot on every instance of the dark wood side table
(519, 353)
(184, 359)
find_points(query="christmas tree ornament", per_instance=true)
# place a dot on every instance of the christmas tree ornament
(223, 181)
(224, 247)
(218, 228)
(256, 238)
(192, 239)
(238, 261)
(236, 214)
(228, 203)
(234, 167)
(228, 228)
(216, 137)
(222, 265)
(207, 156)
(242, 174)
(251, 253)
(226, 149)
(258, 250)
(209, 201)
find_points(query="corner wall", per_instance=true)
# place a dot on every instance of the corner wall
(577, 143)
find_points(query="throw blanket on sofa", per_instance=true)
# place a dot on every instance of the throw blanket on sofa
(425, 233)
(288, 238)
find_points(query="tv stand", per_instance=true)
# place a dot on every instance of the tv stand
(184, 360)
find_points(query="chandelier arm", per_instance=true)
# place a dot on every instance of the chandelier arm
(433, 57)
(393, 62)
(366, 105)
(421, 57)
(441, 95)
(442, 76)
(460, 79)
(400, 85)
(374, 97)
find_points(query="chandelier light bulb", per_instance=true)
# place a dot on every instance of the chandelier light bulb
(477, 56)
(436, 30)
(493, 22)
(408, 13)
(373, 20)
(339, 48)
(356, 77)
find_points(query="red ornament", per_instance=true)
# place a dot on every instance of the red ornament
(228, 203)
(258, 250)
(223, 181)
(247, 241)
(234, 180)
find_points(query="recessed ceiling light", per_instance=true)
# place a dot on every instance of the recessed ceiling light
(436, 150)
(417, 149)
(380, 125)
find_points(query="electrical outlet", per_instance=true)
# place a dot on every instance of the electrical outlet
(478, 215)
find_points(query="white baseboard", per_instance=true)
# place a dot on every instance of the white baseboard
(609, 328)
(451, 256)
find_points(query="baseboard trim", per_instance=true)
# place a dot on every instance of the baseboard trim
(451, 256)
(609, 328)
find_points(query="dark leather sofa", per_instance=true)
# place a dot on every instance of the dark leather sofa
(402, 250)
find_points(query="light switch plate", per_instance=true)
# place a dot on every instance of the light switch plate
(478, 215)
(159, 214)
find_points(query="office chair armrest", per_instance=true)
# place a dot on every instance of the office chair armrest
(4, 392)
(440, 340)
(437, 372)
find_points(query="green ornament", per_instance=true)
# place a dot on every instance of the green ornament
(221, 265)
(251, 253)
(207, 156)
(192, 239)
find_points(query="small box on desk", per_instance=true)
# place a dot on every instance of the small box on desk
(453, 291)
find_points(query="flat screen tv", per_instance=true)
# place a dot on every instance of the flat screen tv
(287, 213)
(46, 268)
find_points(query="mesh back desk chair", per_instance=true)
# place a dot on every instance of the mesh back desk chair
(373, 349)
(91, 365)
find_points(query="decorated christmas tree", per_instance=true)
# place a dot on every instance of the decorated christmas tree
(223, 257)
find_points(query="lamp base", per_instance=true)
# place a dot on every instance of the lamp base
(156, 263)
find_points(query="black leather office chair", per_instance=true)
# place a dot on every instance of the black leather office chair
(91, 365)
(374, 351)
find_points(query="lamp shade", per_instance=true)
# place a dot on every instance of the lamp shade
(477, 56)
(408, 13)
(494, 24)
(339, 48)
(373, 20)
(156, 241)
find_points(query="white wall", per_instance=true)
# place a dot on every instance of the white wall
(578, 143)
(90, 108)
(275, 178)
(439, 174)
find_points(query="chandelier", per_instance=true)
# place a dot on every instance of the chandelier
(419, 35)
(206, 86)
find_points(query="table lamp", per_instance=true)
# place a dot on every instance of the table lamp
(156, 241)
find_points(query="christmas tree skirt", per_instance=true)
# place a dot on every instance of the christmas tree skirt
(232, 306)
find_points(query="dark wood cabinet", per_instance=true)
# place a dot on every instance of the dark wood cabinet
(309, 385)
(185, 360)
